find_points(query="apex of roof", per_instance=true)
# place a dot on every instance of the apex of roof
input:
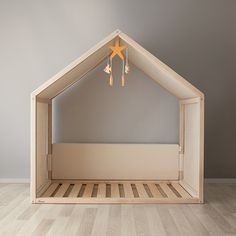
(138, 56)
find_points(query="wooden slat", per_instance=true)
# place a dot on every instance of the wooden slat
(181, 191)
(115, 191)
(75, 190)
(141, 191)
(128, 190)
(61, 191)
(50, 190)
(88, 190)
(132, 192)
(108, 181)
(167, 190)
(101, 191)
(154, 190)
(116, 200)
(95, 190)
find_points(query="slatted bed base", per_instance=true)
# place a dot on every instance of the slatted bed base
(115, 192)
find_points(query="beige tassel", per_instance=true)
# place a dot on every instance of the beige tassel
(111, 80)
(123, 81)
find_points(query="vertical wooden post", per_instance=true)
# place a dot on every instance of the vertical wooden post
(181, 139)
(49, 139)
(33, 149)
(201, 164)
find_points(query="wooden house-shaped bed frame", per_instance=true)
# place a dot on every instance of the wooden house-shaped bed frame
(118, 173)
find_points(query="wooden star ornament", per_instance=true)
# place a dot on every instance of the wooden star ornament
(116, 50)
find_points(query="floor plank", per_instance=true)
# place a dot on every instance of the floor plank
(216, 217)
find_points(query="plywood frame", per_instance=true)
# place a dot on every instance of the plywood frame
(84, 192)
(198, 105)
(115, 161)
(33, 147)
(150, 65)
(140, 57)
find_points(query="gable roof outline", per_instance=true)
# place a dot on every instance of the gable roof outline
(138, 56)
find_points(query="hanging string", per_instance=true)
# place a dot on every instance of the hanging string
(125, 67)
(108, 67)
(126, 61)
(123, 74)
(111, 77)
(108, 58)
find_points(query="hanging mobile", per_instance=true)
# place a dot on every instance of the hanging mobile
(108, 66)
(111, 77)
(123, 74)
(117, 50)
(126, 62)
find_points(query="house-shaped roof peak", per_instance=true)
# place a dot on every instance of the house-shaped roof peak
(138, 56)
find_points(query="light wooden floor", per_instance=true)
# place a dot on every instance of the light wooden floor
(216, 217)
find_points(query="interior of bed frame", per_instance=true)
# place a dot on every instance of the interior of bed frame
(119, 173)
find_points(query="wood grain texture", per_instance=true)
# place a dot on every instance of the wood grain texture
(192, 146)
(191, 140)
(50, 190)
(115, 192)
(138, 56)
(158, 71)
(115, 161)
(41, 144)
(33, 134)
(75, 190)
(75, 71)
(62, 190)
(216, 217)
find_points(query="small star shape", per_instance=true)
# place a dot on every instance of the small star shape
(116, 50)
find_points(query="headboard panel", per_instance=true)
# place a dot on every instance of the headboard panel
(115, 161)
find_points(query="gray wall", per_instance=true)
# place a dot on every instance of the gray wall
(92, 111)
(195, 38)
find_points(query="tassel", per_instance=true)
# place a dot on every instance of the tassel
(126, 68)
(126, 62)
(123, 74)
(111, 80)
(111, 77)
(122, 81)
